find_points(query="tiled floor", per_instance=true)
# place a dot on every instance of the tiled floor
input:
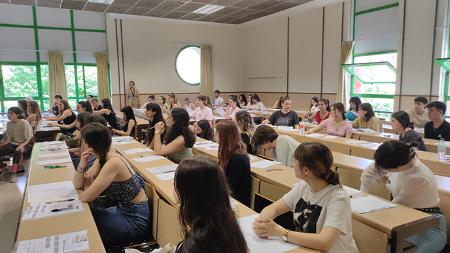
(11, 196)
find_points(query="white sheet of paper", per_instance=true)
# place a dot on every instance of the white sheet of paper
(352, 193)
(163, 169)
(258, 245)
(264, 164)
(122, 140)
(253, 158)
(166, 176)
(42, 210)
(53, 146)
(54, 161)
(58, 154)
(314, 135)
(330, 137)
(369, 204)
(47, 128)
(149, 158)
(51, 192)
(287, 128)
(137, 151)
(64, 243)
(366, 130)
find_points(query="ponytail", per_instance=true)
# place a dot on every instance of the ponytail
(332, 177)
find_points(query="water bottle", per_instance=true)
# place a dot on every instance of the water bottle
(302, 128)
(441, 149)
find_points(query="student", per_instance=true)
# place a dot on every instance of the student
(16, 139)
(314, 106)
(277, 103)
(352, 114)
(218, 100)
(242, 101)
(130, 122)
(321, 207)
(403, 126)
(66, 118)
(336, 124)
(154, 115)
(256, 104)
(173, 103)
(34, 113)
(189, 106)
(89, 98)
(437, 128)
(366, 118)
(162, 103)
(202, 111)
(203, 129)
(127, 219)
(285, 116)
(107, 112)
(94, 104)
(178, 141)
(133, 95)
(84, 106)
(246, 127)
(206, 216)
(234, 160)
(232, 108)
(411, 184)
(324, 111)
(22, 104)
(419, 115)
(150, 99)
(266, 138)
(73, 140)
(55, 108)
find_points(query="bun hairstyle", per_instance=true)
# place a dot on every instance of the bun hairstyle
(393, 154)
(403, 118)
(319, 160)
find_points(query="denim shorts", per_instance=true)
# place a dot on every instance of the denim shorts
(432, 240)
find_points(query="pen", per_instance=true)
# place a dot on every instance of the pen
(61, 209)
(54, 166)
(57, 201)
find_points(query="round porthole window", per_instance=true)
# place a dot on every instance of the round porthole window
(187, 64)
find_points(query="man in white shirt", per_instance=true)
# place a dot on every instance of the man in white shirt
(218, 100)
(151, 99)
(419, 115)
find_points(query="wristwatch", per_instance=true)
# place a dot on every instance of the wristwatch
(284, 237)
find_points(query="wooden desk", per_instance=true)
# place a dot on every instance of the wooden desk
(371, 231)
(166, 228)
(33, 229)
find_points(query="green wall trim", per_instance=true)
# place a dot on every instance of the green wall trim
(74, 49)
(375, 53)
(388, 6)
(38, 58)
(53, 28)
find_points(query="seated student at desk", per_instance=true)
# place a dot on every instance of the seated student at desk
(203, 129)
(173, 103)
(127, 220)
(16, 140)
(352, 114)
(161, 101)
(55, 109)
(242, 101)
(150, 99)
(179, 139)
(127, 129)
(66, 117)
(74, 137)
(234, 160)
(34, 113)
(107, 112)
(321, 207)
(366, 118)
(189, 106)
(337, 124)
(285, 116)
(203, 111)
(94, 104)
(324, 111)
(232, 108)
(266, 138)
(402, 126)
(412, 184)
(256, 104)
(246, 127)
(419, 115)
(207, 219)
(154, 114)
(438, 127)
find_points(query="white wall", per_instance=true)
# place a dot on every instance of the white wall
(151, 45)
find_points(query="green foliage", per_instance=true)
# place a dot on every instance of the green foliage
(20, 81)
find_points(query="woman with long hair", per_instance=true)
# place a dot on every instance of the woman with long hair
(108, 113)
(242, 101)
(234, 160)
(232, 108)
(173, 103)
(336, 124)
(154, 114)
(111, 175)
(82, 106)
(324, 111)
(256, 104)
(23, 105)
(207, 219)
(352, 114)
(34, 113)
(203, 129)
(161, 101)
(66, 120)
(367, 118)
(321, 207)
(130, 122)
(178, 141)
(246, 127)
(411, 183)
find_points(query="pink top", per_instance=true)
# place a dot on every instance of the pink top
(205, 113)
(342, 131)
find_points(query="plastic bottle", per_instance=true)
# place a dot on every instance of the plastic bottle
(302, 128)
(442, 148)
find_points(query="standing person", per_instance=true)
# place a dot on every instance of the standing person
(419, 115)
(234, 160)
(285, 116)
(203, 129)
(154, 115)
(55, 108)
(207, 219)
(128, 128)
(133, 95)
(173, 103)
(17, 140)
(111, 175)
(246, 127)
(34, 113)
(411, 184)
(403, 126)
(256, 104)
(108, 113)
(324, 111)
(150, 99)
(321, 207)
(366, 118)
(438, 127)
(232, 108)
(352, 114)
(94, 104)
(336, 125)
(67, 117)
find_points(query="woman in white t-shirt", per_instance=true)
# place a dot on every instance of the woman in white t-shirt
(411, 184)
(232, 108)
(321, 207)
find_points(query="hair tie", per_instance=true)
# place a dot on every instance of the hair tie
(412, 151)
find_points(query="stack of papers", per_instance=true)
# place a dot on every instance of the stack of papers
(258, 245)
(366, 130)
(164, 172)
(137, 151)
(71, 242)
(53, 146)
(369, 204)
(287, 128)
(264, 164)
(314, 135)
(148, 158)
(121, 140)
(253, 158)
(42, 210)
(60, 191)
(210, 146)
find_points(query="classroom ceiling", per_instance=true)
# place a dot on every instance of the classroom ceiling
(234, 11)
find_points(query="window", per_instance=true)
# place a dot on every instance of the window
(81, 83)
(188, 65)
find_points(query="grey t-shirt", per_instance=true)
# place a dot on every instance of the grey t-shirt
(278, 118)
(413, 136)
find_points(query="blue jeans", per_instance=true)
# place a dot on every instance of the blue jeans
(432, 240)
(122, 224)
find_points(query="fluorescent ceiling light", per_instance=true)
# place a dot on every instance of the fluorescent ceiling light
(101, 1)
(208, 9)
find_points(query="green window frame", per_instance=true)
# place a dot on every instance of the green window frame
(445, 64)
